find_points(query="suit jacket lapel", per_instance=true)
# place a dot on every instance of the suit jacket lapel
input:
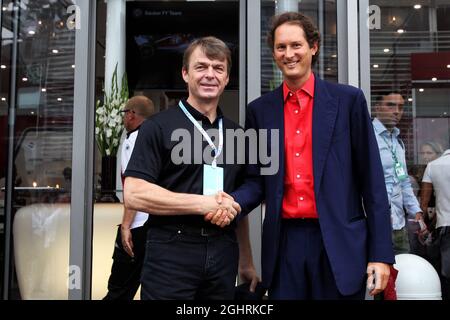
(324, 117)
(277, 120)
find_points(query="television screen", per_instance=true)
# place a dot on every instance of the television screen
(159, 32)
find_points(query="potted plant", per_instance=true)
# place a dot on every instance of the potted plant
(108, 130)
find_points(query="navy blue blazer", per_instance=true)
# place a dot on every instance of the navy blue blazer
(349, 185)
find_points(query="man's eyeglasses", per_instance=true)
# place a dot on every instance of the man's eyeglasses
(126, 110)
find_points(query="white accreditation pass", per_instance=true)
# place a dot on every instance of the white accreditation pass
(212, 174)
(212, 179)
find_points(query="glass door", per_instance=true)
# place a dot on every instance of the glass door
(409, 55)
(155, 35)
(36, 127)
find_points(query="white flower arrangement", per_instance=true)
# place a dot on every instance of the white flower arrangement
(108, 119)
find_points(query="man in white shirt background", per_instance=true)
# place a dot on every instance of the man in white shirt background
(437, 178)
(129, 248)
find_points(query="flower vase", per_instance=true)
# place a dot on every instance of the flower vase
(108, 180)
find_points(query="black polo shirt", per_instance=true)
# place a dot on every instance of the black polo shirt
(152, 159)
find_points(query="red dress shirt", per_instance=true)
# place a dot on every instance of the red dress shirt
(299, 200)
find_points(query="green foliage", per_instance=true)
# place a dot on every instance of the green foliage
(108, 119)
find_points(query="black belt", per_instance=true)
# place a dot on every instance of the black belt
(203, 231)
(300, 221)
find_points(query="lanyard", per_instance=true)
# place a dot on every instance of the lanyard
(393, 150)
(217, 152)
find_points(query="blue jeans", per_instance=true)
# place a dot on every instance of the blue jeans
(182, 263)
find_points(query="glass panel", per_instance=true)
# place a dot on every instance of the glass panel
(4, 90)
(157, 33)
(42, 144)
(409, 54)
(323, 13)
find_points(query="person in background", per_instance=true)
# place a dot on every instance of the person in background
(437, 178)
(415, 173)
(430, 151)
(129, 248)
(388, 113)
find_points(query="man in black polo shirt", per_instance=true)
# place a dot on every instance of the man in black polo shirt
(186, 256)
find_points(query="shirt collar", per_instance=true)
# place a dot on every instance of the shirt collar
(446, 152)
(308, 87)
(380, 128)
(131, 131)
(200, 116)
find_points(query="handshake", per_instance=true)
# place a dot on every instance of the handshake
(220, 209)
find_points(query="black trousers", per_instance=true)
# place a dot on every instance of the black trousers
(189, 263)
(125, 275)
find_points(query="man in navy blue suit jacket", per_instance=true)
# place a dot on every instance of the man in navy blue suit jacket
(327, 220)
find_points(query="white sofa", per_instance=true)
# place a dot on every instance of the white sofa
(41, 234)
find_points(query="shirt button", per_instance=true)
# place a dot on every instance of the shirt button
(298, 176)
(301, 198)
(296, 111)
(297, 155)
(290, 94)
(298, 131)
